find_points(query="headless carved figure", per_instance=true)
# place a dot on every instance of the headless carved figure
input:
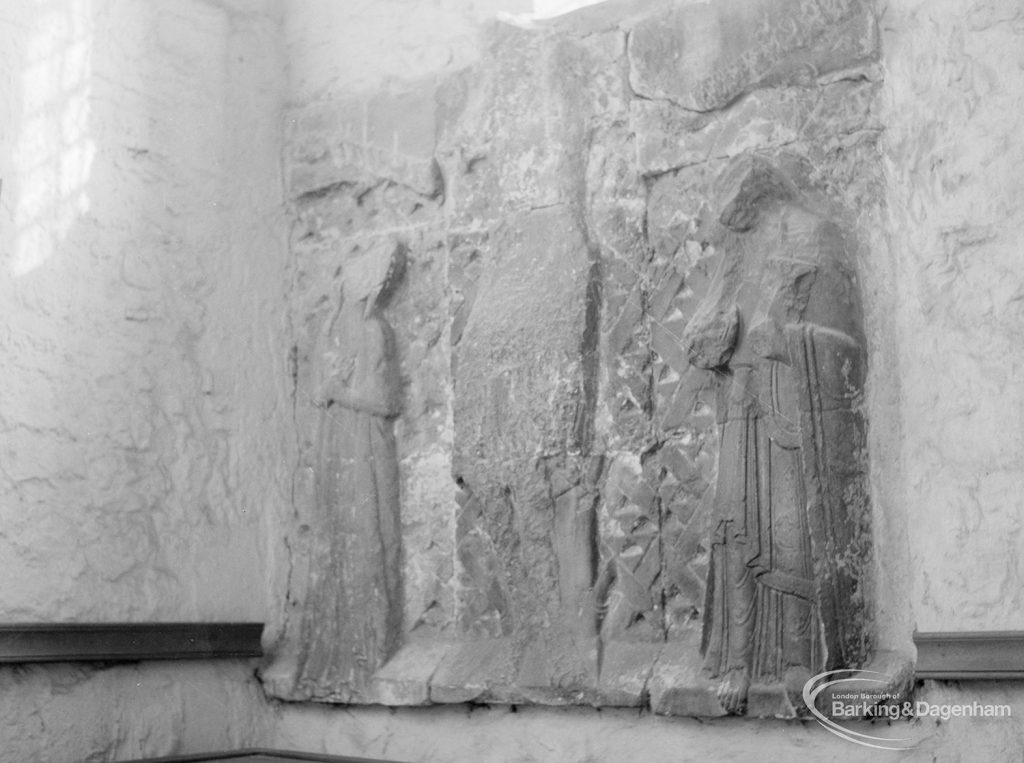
(353, 611)
(780, 327)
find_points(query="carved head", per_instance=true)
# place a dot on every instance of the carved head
(763, 187)
(371, 277)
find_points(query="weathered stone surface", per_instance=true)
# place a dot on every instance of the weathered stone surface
(559, 669)
(669, 138)
(677, 686)
(626, 669)
(483, 157)
(704, 56)
(518, 397)
(406, 678)
(361, 141)
(576, 237)
(477, 670)
(352, 621)
(791, 539)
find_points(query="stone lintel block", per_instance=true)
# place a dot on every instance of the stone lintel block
(401, 121)
(360, 165)
(515, 128)
(669, 138)
(626, 669)
(704, 56)
(476, 671)
(384, 136)
(405, 678)
(339, 118)
(404, 121)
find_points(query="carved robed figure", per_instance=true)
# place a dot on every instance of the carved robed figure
(353, 613)
(781, 329)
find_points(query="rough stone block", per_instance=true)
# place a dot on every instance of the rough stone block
(626, 669)
(361, 141)
(677, 686)
(518, 385)
(341, 163)
(403, 122)
(405, 678)
(670, 138)
(558, 669)
(472, 671)
(704, 56)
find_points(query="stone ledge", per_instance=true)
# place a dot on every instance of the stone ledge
(665, 678)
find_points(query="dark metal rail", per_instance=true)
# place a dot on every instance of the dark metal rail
(970, 655)
(75, 642)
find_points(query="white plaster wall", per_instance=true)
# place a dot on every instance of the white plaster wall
(71, 714)
(141, 274)
(955, 164)
(143, 445)
(143, 465)
(345, 47)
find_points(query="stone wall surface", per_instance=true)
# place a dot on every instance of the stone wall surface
(858, 116)
(359, 171)
(558, 208)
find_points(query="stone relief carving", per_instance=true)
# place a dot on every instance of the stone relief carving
(353, 615)
(781, 329)
(648, 398)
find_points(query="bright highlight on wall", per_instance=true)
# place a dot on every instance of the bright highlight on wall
(53, 154)
(543, 9)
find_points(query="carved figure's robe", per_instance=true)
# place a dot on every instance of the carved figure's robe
(353, 610)
(782, 331)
